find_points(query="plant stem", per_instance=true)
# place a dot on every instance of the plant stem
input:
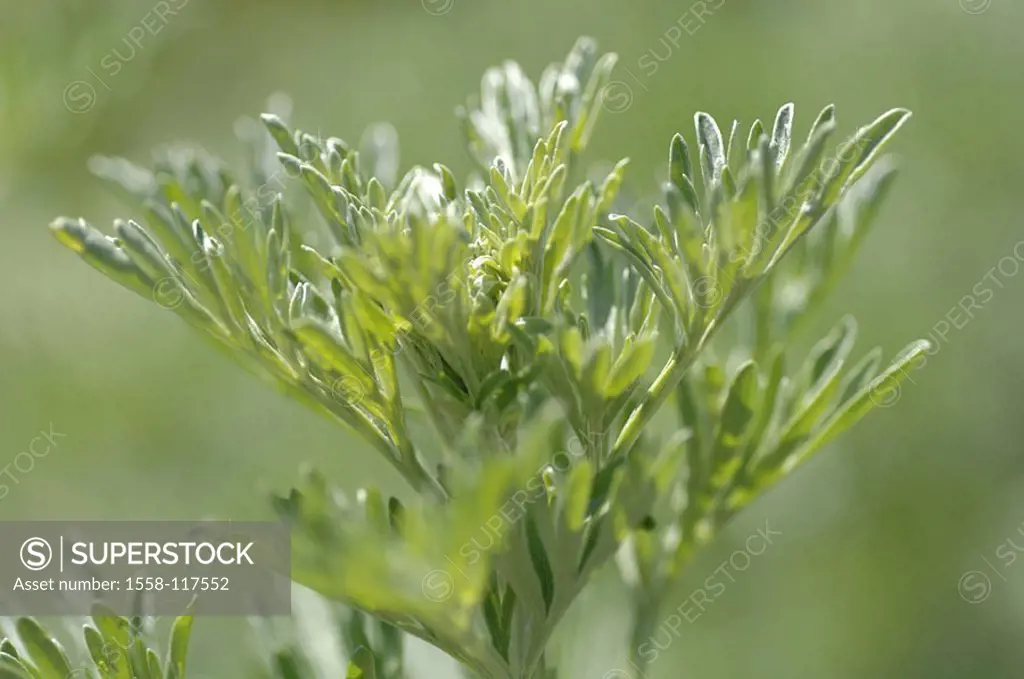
(645, 612)
(763, 318)
(675, 369)
(402, 459)
(680, 361)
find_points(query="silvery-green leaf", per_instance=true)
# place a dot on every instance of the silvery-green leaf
(712, 148)
(42, 650)
(782, 133)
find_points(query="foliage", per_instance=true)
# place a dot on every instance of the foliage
(109, 647)
(523, 312)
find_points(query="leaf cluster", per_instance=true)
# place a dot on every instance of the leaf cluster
(525, 317)
(108, 646)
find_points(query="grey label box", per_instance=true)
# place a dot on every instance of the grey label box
(152, 567)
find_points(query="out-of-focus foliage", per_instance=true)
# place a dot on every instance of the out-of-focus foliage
(108, 646)
(467, 298)
(933, 484)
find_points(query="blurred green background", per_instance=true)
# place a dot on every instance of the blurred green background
(876, 533)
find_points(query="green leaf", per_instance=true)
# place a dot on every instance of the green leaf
(328, 351)
(577, 491)
(856, 215)
(510, 306)
(712, 149)
(143, 250)
(805, 168)
(767, 406)
(177, 647)
(12, 669)
(609, 188)
(7, 646)
(571, 348)
(729, 145)
(44, 652)
(287, 665)
(631, 364)
(451, 191)
(111, 626)
(597, 366)
(782, 133)
(106, 654)
(860, 375)
(103, 254)
(592, 102)
(280, 132)
(880, 390)
(362, 665)
(138, 656)
(823, 371)
(541, 564)
(734, 420)
(153, 663)
(856, 155)
(680, 171)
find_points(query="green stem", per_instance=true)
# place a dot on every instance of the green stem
(441, 425)
(645, 621)
(675, 369)
(667, 380)
(401, 455)
(763, 329)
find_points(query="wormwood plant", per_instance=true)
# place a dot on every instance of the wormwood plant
(537, 325)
